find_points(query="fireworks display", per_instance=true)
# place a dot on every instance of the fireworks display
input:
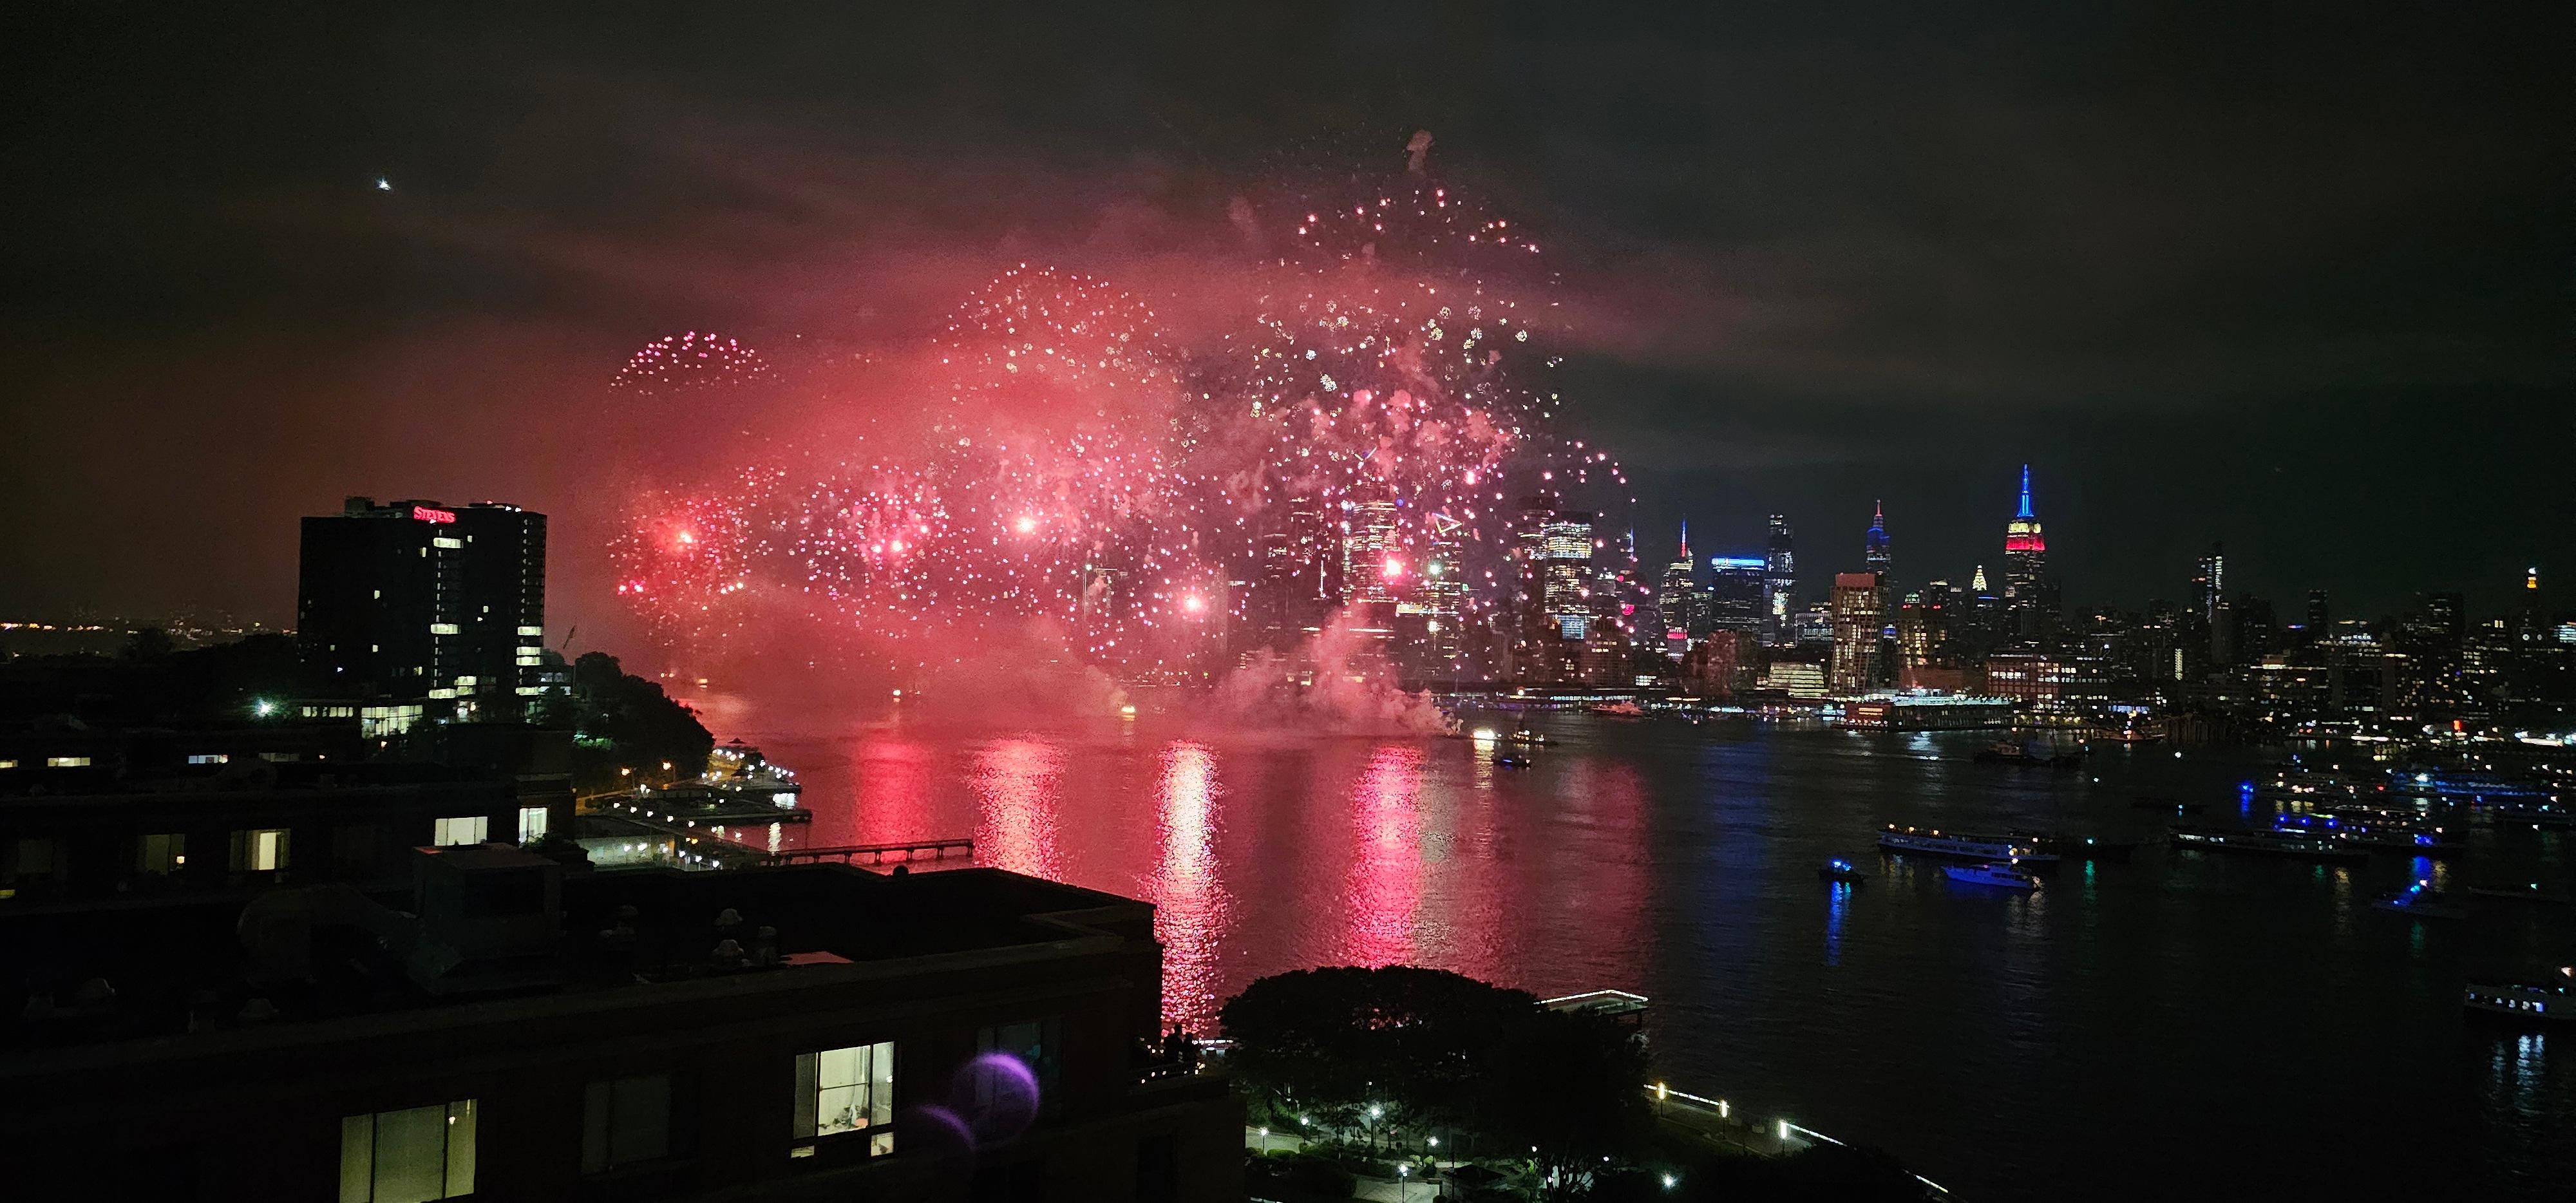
(1374, 427)
(687, 361)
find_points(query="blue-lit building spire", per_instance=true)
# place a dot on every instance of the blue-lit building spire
(2025, 493)
(1876, 553)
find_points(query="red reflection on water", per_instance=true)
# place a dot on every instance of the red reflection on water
(1015, 779)
(894, 782)
(1384, 887)
(1190, 902)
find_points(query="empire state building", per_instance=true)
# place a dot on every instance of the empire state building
(2030, 594)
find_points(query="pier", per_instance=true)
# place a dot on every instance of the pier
(874, 853)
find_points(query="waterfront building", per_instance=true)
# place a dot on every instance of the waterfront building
(2043, 677)
(1798, 674)
(416, 600)
(1722, 665)
(1860, 621)
(2030, 593)
(1780, 569)
(502, 1029)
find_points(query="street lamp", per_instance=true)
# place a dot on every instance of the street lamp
(1403, 1181)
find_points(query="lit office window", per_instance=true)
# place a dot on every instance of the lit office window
(532, 824)
(209, 758)
(408, 1156)
(624, 1122)
(459, 831)
(845, 1090)
(161, 855)
(67, 762)
(260, 851)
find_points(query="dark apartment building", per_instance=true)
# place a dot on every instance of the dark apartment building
(414, 600)
(511, 1028)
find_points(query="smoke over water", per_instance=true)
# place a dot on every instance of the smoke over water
(1079, 484)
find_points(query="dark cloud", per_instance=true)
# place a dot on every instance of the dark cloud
(2275, 274)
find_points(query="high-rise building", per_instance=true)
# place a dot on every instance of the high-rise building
(1565, 553)
(1430, 617)
(1874, 553)
(1737, 589)
(1681, 605)
(1860, 625)
(2209, 584)
(1781, 568)
(415, 600)
(2320, 615)
(2030, 594)
(1298, 573)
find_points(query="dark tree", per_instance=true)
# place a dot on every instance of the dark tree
(622, 721)
(1439, 1050)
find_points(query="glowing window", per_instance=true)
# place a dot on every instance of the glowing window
(460, 831)
(845, 1090)
(259, 851)
(408, 1156)
(532, 824)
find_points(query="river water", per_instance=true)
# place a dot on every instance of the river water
(2186, 1023)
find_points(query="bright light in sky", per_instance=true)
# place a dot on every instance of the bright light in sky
(383, 184)
(1025, 525)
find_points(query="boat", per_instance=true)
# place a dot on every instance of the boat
(1513, 760)
(1840, 870)
(2530, 892)
(2386, 837)
(2298, 845)
(1964, 847)
(2075, 847)
(2168, 804)
(2033, 753)
(2526, 1002)
(1619, 710)
(2420, 900)
(1523, 735)
(2003, 876)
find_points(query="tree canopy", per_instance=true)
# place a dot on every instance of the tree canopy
(1433, 1049)
(622, 720)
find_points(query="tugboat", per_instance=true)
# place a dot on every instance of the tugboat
(1523, 735)
(2525, 1002)
(2420, 901)
(1841, 870)
(2001, 876)
(1509, 759)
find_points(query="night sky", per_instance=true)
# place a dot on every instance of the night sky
(2294, 277)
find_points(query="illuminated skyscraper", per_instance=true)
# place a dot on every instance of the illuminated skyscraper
(1860, 626)
(418, 600)
(1682, 606)
(1565, 553)
(1737, 591)
(1781, 570)
(2209, 584)
(2030, 595)
(1875, 554)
